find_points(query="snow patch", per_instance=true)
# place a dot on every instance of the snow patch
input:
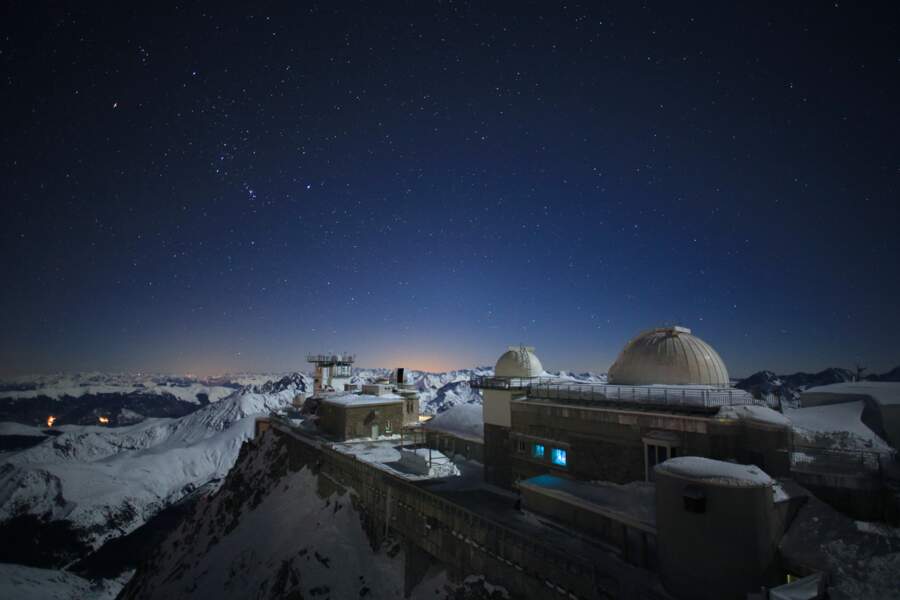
(716, 471)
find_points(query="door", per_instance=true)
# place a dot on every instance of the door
(374, 430)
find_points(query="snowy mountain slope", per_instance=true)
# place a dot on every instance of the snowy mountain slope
(28, 583)
(108, 481)
(275, 529)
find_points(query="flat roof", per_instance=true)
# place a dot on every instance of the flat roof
(633, 502)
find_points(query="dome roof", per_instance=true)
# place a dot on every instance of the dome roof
(669, 356)
(518, 361)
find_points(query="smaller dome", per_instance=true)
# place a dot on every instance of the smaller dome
(519, 361)
(668, 356)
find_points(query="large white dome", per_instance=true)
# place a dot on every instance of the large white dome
(669, 356)
(519, 361)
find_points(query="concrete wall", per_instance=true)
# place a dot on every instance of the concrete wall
(496, 406)
(452, 445)
(724, 552)
(635, 542)
(497, 455)
(410, 407)
(890, 420)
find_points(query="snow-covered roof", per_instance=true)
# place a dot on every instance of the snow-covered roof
(885, 393)
(463, 420)
(716, 471)
(758, 414)
(361, 399)
(670, 356)
(519, 361)
(385, 455)
(840, 422)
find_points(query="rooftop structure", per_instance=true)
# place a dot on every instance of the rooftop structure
(332, 371)
(331, 359)
(668, 356)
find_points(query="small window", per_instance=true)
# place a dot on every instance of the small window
(694, 499)
(537, 451)
(559, 457)
(521, 446)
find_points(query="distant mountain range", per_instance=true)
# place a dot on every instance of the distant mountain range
(790, 386)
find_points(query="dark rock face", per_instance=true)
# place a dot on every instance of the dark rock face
(892, 375)
(295, 381)
(763, 383)
(128, 551)
(32, 541)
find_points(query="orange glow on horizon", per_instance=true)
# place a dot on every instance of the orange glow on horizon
(103, 420)
(50, 420)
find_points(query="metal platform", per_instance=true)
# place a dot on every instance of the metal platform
(331, 359)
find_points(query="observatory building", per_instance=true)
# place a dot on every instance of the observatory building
(516, 368)
(660, 482)
(667, 395)
(669, 356)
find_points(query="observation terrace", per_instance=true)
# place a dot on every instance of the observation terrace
(666, 397)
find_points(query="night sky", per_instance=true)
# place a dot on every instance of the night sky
(211, 188)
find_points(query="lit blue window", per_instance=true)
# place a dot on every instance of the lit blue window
(558, 457)
(537, 451)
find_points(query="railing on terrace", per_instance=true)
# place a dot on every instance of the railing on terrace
(657, 395)
(830, 460)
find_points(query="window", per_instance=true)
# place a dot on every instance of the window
(558, 457)
(537, 451)
(657, 454)
(694, 499)
(521, 446)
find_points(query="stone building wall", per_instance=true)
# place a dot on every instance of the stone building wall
(608, 444)
(468, 543)
(347, 422)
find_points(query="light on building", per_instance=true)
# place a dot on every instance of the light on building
(559, 457)
(537, 451)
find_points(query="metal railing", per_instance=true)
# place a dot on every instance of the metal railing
(670, 396)
(331, 358)
(832, 460)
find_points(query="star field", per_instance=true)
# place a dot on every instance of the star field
(209, 187)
